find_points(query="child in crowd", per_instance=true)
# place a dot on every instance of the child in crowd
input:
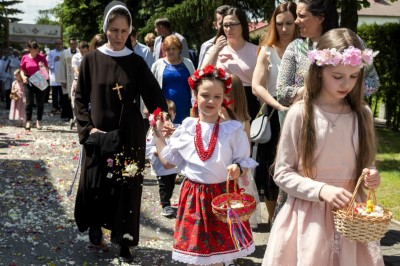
(326, 143)
(17, 108)
(236, 101)
(207, 149)
(165, 177)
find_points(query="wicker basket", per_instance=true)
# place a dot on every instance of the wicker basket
(362, 228)
(221, 203)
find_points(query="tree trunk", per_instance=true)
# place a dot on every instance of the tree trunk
(349, 15)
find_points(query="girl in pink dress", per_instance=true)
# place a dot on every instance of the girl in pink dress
(327, 141)
(206, 149)
(17, 108)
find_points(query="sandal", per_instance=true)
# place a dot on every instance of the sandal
(28, 125)
(38, 125)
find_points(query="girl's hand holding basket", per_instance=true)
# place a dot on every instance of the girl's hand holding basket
(372, 179)
(363, 222)
(234, 170)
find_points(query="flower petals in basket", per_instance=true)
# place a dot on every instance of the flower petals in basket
(363, 222)
(241, 203)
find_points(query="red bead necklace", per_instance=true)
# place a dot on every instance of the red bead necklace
(198, 141)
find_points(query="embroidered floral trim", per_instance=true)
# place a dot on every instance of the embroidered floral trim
(350, 56)
(211, 71)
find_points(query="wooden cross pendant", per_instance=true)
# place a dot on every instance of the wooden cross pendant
(118, 88)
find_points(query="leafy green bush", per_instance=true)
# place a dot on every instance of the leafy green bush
(386, 39)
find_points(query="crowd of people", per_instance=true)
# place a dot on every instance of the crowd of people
(192, 117)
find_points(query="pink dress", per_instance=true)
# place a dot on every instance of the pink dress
(303, 232)
(17, 107)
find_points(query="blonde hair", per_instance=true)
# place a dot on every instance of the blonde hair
(171, 105)
(340, 39)
(149, 39)
(17, 72)
(97, 41)
(238, 95)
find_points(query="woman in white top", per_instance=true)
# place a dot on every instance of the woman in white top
(282, 31)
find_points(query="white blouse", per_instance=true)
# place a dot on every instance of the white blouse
(273, 69)
(232, 146)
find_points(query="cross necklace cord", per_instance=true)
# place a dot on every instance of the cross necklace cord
(333, 123)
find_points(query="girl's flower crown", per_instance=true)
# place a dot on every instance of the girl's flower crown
(350, 56)
(211, 71)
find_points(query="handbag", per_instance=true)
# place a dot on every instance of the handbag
(260, 129)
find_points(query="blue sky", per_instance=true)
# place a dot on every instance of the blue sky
(31, 9)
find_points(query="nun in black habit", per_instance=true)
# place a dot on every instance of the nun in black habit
(110, 79)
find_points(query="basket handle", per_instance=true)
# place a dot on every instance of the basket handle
(227, 188)
(371, 192)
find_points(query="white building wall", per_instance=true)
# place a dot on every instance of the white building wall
(378, 20)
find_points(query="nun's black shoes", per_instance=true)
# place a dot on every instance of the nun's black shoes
(125, 254)
(95, 235)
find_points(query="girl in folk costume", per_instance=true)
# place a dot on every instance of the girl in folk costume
(327, 141)
(236, 101)
(110, 78)
(207, 149)
(17, 108)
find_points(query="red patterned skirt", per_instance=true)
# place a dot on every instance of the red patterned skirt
(199, 237)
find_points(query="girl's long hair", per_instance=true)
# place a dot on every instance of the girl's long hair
(238, 95)
(340, 39)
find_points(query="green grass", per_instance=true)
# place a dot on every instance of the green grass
(388, 163)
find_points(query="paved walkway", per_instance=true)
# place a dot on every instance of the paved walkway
(36, 216)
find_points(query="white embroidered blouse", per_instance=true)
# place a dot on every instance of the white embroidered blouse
(232, 146)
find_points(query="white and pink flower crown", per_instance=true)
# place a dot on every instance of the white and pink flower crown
(350, 56)
(211, 71)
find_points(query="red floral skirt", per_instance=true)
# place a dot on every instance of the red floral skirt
(199, 237)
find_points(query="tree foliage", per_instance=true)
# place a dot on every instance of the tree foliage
(385, 39)
(6, 10)
(44, 18)
(7, 15)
